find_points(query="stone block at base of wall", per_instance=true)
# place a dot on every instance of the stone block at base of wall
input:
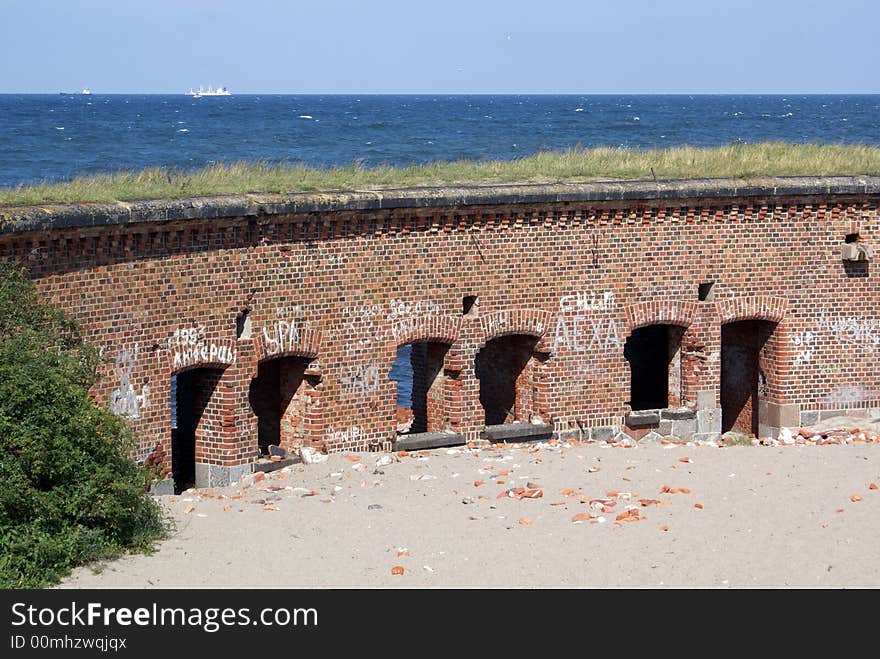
(706, 437)
(160, 488)
(779, 415)
(208, 475)
(809, 418)
(603, 433)
(709, 421)
(684, 428)
(705, 400)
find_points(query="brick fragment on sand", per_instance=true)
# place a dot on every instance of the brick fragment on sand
(674, 490)
(630, 516)
(664, 528)
(189, 509)
(525, 521)
(353, 458)
(582, 517)
(872, 486)
(397, 571)
(855, 497)
(698, 505)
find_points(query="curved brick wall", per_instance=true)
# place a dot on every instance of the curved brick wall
(336, 282)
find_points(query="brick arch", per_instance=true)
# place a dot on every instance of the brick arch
(534, 322)
(434, 328)
(286, 339)
(757, 307)
(660, 312)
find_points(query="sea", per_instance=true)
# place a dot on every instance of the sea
(55, 137)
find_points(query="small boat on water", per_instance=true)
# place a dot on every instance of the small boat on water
(210, 91)
(86, 91)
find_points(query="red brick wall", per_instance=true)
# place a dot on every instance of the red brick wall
(350, 286)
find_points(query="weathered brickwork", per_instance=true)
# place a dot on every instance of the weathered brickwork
(520, 310)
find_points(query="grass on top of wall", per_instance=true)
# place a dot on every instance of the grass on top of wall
(572, 165)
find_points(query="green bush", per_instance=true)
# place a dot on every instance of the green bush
(69, 492)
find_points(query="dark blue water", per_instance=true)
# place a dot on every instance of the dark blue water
(55, 137)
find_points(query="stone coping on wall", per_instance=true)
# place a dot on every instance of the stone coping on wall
(94, 214)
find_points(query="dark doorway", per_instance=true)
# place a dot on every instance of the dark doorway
(505, 391)
(279, 402)
(742, 375)
(190, 394)
(650, 350)
(417, 370)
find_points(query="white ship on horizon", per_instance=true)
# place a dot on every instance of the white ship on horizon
(210, 91)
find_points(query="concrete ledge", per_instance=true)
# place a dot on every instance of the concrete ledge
(678, 415)
(641, 419)
(273, 466)
(66, 215)
(425, 440)
(518, 431)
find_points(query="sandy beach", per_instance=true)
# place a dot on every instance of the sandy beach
(581, 516)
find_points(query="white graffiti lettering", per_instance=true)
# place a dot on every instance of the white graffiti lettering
(282, 336)
(360, 380)
(581, 334)
(851, 394)
(124, 400)
(861, 332)
(346, 435)
(587, 301)
(805, 343)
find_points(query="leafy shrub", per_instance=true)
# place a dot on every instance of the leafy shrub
(69, 492)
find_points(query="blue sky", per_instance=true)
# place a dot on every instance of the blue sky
(448, 46)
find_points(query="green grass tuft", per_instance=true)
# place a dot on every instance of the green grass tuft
(572, 165)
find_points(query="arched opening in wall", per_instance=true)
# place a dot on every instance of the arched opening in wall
(285, 400)
(191, 393)
(503, 368)
(418, 371)
(745, 364)
(654, 356)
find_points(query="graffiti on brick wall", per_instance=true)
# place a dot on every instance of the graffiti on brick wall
(406, 317)
(124, 400)
(400, 309)
(284, 335)
(579, 330)
(361, 328)
(189, 346)
(587, 301)
(360, 379)
(805, 344)
(860, 332)
(352, 434)
(503, 321)
(364, 327)
(851, 394)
